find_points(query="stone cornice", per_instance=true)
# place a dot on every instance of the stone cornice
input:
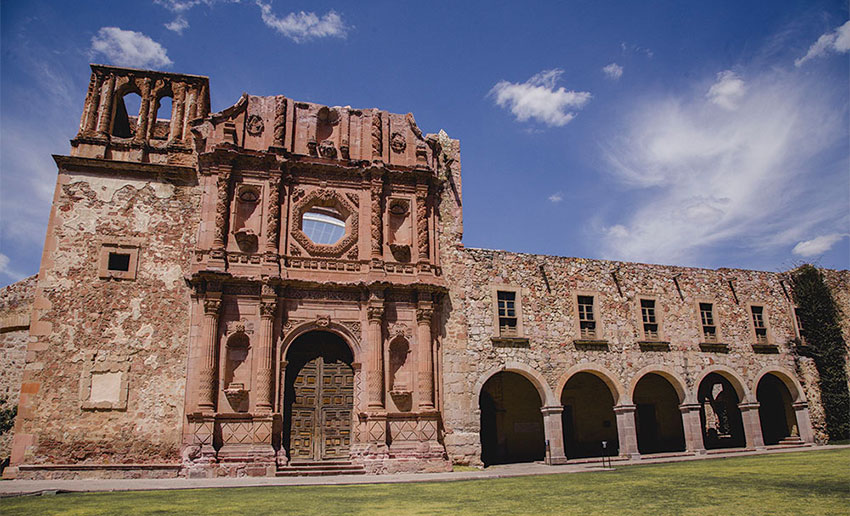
(130, 168)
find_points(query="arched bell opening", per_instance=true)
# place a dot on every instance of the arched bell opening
(722, 423)
(588, 418)
(776, 412)
(511, 421)
(658, 418)
(318, 397)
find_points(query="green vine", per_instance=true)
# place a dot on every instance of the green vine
(819, 317)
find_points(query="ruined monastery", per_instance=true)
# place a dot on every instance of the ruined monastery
(281, 288)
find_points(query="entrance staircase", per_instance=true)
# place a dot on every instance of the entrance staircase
(320, 469)
(791, 442)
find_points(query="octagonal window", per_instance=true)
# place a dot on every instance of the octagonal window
(323, 225)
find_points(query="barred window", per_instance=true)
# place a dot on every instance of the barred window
(709, 330)
(587, 321)
(650, 323)
(507, 313)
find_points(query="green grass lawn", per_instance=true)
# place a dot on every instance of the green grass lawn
(816, 482)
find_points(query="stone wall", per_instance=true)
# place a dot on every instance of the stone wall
(15, 305)
(548, 287)
(106, 364)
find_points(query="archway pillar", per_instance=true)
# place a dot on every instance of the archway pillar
(752, 424)
(693, 428)
(804, 421)
(554, 432)
(627, 430)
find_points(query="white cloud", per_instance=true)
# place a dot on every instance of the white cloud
(537, 98)
(129, 48)
(753, 180)
(5, 270)
(178, 25)
(301, 26)
(727, 91)
(817, 245)
(556, 197)
(613, 71)
(835, 41)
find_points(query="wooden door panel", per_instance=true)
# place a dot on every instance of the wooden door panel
(321, 411)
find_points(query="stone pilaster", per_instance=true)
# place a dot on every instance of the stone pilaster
(178, 111)
(627, 430)
(105, 118)
(554, 431)
(752, 424)
(142, 127)
(693, 427)
(804, 422)
(88, 125)
(207, 386)
(265, 353)
(375, 375)
(424, 314)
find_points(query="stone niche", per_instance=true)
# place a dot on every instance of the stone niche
(400, 228)
(236, 377)
(400, 371)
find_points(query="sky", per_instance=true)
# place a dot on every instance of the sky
(706, 134)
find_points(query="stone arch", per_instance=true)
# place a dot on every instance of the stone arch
(597, 370)
(787, 377)
(738, 383)
(120, 125)
(351, 340)
(675, 380)
(547, 397)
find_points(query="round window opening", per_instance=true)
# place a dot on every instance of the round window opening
(323, 225)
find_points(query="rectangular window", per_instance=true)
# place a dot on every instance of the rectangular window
(709, 330)
(507, 313)
(650, 323)
(119, 262)
(587, 322)
(758, 324)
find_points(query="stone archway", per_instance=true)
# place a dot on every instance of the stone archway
(776, 411)
(720, 415)
(511, 421)
(588, 418)
(658, 419)
(318, 397)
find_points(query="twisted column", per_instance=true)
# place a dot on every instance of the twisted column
(377, 221)
(209, 337)
(279, 121)
(424, 313)
(422, 223)
(222, 206)
(273, 222)
(265, 352)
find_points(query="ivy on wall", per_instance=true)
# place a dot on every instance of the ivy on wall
(820, 316)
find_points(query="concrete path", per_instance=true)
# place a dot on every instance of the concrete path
(30, 487)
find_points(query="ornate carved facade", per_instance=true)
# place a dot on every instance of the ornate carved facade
(380, 340)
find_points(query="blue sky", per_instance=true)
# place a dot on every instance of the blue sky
(708, 134)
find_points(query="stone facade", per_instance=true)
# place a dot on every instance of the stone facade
(186, 321)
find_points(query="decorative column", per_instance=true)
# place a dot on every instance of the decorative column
(279, 121)
(222, 208)
(178, 111)
(265, 350)
(142, 128)
(375, 375)
(424, 314)
(88, 125)
(752, 424)
(693, 428)
(273, 220)
(627, 431)
(105, 118)
(422, 223)
(554, 431)
(804, 422)
(377, 223)
(207, 385)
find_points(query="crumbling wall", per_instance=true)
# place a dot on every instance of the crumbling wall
(105, 371)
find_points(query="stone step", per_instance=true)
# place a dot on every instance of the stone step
(317, 473)
(320, 468)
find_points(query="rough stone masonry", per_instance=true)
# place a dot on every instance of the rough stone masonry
(281, 288)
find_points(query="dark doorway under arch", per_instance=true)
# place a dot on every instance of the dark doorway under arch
(588, 418)
(722, 424)
(658, 418)
(318, 397)
(511, 421)
(776, 412)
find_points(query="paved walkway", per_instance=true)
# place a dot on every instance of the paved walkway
(28, 487)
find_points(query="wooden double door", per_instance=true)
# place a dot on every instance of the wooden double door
(323, 397)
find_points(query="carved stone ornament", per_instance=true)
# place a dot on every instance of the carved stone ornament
(323, 321)
(355, 328)
(240, 326)
(375, 313)
(400, 329)
(254, 125)
(246, 239)
(377, 135)
(424, 314)
(268, 309)
(327, 149)
(212, 305)
(398, 143)
(325, 197)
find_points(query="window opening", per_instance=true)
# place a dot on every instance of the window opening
(126, 115)
(709, 330)
(507, 313)
(758, 324)
(650, 324)
(119, 262)
(587, 322)
(323, 225)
